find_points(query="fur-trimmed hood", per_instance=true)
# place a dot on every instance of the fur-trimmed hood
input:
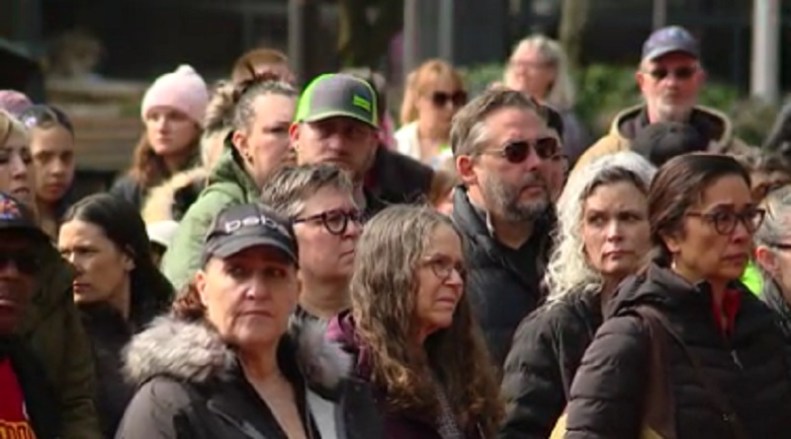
(195, 353)
(159, 205)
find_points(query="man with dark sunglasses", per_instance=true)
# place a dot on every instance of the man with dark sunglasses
(28, 405)
(508, 159)
(670, 77)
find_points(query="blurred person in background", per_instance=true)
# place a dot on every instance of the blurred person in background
(171, 200)
(511, 166)
(723, 361)
(319, 202)
(779, 137)
(28, 406)
(337, 121)
(434, 92)
(172, 111)
(51, 325)
(670, 77)
(14, 102)
(256, 147)
(52, 147)
(261, 61)
(393, 177)
(603, 236)
(411, 329)
(161, 234)
(117, 288)
(661, 141)
(538, 67)
(445, 181)
(229, 362)
(773, 256)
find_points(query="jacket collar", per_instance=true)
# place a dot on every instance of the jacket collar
(230, 168)
(194, 352)
(773, 296)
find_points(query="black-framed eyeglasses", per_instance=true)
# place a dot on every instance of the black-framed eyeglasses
(335, 221)
(547, 148)
(725, 221)
(443, 267)
(779, 245)
(41, 116)
(682, 73)
(440, 99)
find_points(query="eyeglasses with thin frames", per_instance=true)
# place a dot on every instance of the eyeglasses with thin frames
(725, 221)
(682, 73)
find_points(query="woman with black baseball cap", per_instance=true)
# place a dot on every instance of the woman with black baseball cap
(225, 364)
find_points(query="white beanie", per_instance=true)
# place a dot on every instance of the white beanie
(183, 90)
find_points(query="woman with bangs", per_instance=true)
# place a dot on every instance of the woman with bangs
(434, 93)
(411, 330)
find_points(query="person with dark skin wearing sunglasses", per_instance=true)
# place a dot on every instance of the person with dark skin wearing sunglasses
(319, 201)
(509, 160)
(28, 406)
(670, 77)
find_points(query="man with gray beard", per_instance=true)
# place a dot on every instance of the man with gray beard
(509, 161)
(670, 77)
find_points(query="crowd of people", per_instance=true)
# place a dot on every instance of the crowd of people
(284, 263)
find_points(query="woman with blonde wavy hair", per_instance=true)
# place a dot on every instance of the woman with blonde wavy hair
(434, 93)
(411, 329)
(603, 236)
(538, 67)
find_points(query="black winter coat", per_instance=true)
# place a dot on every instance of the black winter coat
(547, 350)
(773, 297)
(503, 284)
(192, 387)
(748, 366)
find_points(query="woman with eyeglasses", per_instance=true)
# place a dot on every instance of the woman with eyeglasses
(172, 111)
(319, 201)
(538, 68)
(434, 93)
(603, 237)
(411, 329)
(685, 349)
(52, 147)
(117, 288)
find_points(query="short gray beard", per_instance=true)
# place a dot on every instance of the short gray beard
(504, 200)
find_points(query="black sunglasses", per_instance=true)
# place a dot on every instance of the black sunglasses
(440, 98)
(335, 221)
(546, 148)
(679, 73)
(24, 261)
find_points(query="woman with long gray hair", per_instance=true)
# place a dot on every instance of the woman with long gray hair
(773, 255)
(602, 237)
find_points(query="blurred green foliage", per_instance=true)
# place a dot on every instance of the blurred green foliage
(603, 90)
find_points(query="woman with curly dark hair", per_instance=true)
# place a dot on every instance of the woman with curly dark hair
(412, 332)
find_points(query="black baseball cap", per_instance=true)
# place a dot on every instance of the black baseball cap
(661, 141)
(338, 94)
(16, 216)
(239, 227)
(670, 39)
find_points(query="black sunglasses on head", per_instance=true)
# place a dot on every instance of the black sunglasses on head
(441, 99)
(546, 148)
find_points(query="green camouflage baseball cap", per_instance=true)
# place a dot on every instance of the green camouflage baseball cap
(338, 94)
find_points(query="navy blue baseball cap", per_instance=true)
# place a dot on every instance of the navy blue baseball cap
(15, 216)
(668, 40)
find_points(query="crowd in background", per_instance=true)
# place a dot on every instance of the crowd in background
(280, 262)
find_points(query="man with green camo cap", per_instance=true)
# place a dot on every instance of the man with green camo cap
(336, 122)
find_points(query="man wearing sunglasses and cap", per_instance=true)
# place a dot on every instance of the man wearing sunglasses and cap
(670, 77)
(508, 157)
(28, 405)
(337, 122)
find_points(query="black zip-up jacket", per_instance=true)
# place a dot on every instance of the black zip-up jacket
(546, 352)
(503, 284)
(748, 365)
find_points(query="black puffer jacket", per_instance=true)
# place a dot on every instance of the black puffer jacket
(547, 349)
(503, 284)
(773, 297)
(748, 366)
(192, 387)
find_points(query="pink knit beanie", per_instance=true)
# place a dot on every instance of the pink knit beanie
(183, 90)
(14, 102)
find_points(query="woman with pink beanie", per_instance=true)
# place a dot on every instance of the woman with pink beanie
(172, 111)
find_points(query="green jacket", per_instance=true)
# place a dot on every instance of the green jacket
(53, 329)
(228, 184)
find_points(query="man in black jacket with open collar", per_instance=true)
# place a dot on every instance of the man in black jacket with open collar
(510, 163)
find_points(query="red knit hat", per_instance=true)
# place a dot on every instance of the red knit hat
(183, 90)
